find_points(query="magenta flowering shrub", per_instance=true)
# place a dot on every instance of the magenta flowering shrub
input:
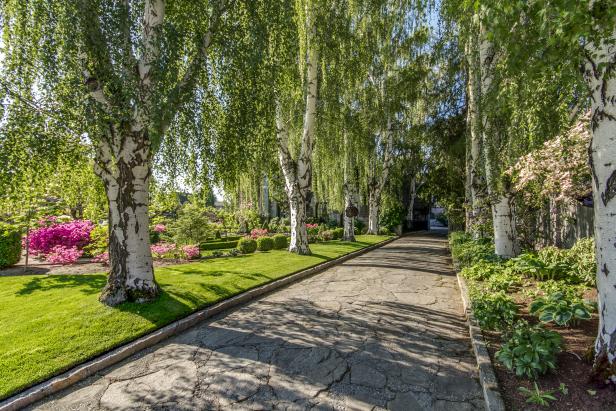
(190, 252)
(160, 228)
(73, 234)
(162, 250)
(63, 255)
(258, 232)
(102, 258)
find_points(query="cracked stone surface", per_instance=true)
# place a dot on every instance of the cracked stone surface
(383, 331)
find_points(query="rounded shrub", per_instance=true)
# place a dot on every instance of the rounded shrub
(247, 245)
(280, 242)
(10, 245)
(326, 235)
(338, 233)
(265, 243)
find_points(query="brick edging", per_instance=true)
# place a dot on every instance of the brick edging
(82, 371)
(487, 377)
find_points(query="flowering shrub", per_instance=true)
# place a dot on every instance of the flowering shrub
(73, 234)
(313, 232)
(559, 169)
(63, 255)
(190, 251)
(258, 232)
(102, 258)
(162, 250)
(160, 228)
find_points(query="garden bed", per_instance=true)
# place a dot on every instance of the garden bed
(52, 323)
(572, 370)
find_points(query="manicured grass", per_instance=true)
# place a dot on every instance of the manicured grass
(50, 323)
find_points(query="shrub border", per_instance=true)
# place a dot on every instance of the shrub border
(90, 367)
(487, 377)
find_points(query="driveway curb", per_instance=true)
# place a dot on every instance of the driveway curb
(487, 377)
(82, 371)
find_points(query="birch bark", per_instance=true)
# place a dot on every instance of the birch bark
(377, 182)
(599, 75)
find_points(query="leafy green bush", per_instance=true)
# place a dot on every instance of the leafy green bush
(459, 237)
(280, 242)
(217, 253)
(192, 226)
(218, 245)
(385, 231)
(99, 241)
(265, 243)
(247, 245)
(531, 265)
(338, 233)
(583, 261)
(531, 350)
(471, 252)
(234, 252)
(481, 271)
(10, 245)
(493, 311)
(560, 308)
(503, 281)
(326, 235)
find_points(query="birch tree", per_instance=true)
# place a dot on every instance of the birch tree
(136, 64)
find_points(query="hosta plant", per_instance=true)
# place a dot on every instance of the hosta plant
(560, 308)
(481, 271)
(493, 311)
(530, 351)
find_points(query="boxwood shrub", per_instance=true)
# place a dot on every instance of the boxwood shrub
(265, 243)
(10, 245)
(218, 245)
(280, 242)
(247, 245)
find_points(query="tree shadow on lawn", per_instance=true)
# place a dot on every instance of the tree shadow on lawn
(89, 284)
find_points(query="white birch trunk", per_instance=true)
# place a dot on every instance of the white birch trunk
(503, 219)
(378, 183)
(600, 78)
(412, 195)
(474, 126)
(504, 227)
(126, 180)
(350, 193)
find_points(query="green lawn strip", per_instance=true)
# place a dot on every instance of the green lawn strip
(51, 323)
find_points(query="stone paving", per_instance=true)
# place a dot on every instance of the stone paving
(382, 331)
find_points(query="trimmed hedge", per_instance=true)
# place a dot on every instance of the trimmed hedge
(247, 245)
(10, 245)
(218, 245)
(280, 242)
(265, 243)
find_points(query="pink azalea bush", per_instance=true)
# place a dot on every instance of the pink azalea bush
(162, 249)
(73, 234)
(258, 232)
(63, 255)
(160, 228)
(191, 252)
(102, 258)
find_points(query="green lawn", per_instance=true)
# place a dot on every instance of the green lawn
(50, 323)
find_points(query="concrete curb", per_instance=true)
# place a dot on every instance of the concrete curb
(487, 377)
(81, 372)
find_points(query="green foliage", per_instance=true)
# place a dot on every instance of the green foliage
(457, 238)
(531, 265)
(530, 351)
(247, 245)
(218, 245)
(99, 241)
(583, 260)
(338, 233)
(560, 308)
(493, 311)
(192, 225)
(217, 253)
(280, 242)
(10, 245)
(467, 253)
(481, 271)
(503, 280)
(326, 235)
(537, 396)
(265, 243)
(392, 217)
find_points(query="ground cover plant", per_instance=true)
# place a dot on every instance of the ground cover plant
(539, 322)
(53, 322)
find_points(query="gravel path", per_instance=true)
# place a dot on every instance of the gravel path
(382, 331)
